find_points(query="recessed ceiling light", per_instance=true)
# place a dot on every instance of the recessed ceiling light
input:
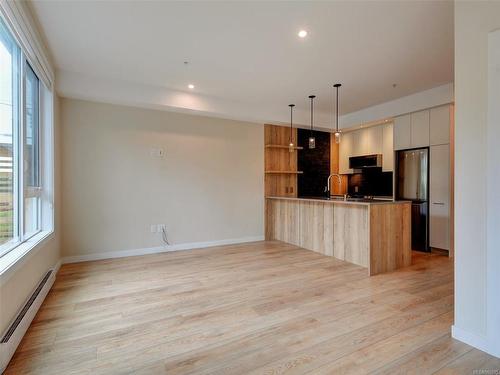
(191, 86)
(302, 33)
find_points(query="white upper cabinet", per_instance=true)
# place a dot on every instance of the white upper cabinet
(440, 125)
(369, 141)
(346, 150)
(414, 130)
(356, 150)
(420, 129)
(402, 132)
(387, 148)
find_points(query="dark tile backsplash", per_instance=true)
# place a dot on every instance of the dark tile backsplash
(372, 181)
(314, 163)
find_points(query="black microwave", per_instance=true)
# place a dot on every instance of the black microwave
(366, 161)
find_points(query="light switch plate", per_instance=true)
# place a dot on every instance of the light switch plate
(157, 152)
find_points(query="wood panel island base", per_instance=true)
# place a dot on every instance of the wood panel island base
(375, 235)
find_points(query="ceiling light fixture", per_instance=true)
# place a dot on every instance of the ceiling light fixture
(337, 131)
(312, 139)
(191, 86)
(302, 34)
(291, 145)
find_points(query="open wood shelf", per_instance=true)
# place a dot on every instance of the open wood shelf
(280, 165)
(284, 147)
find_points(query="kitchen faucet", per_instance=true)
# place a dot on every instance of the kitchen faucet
(328, 186)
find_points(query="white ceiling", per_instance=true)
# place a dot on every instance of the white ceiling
(249, 52)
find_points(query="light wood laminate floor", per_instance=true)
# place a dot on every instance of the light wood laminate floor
(259, 308)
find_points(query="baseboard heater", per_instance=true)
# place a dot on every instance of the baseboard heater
(14, 334)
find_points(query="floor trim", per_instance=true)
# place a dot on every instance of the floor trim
(158, 249)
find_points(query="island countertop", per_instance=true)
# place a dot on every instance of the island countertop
(363, 202)
(372, 234)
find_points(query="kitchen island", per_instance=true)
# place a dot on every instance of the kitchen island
(372, 234)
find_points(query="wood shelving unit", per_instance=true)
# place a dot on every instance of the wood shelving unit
(280, 165)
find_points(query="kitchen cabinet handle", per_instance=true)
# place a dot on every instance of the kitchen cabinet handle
(438, 203)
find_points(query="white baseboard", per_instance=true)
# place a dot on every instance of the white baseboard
(478, 341)
(159, 249)
(8, 349)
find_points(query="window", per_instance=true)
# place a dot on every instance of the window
(32, 187)
(21, 133)
(9, 117)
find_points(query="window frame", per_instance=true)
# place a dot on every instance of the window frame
(30, 191)
(44, 153)
(17, 58)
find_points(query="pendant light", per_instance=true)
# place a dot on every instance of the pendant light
(337, 131)
(312, 140)
(291, 145)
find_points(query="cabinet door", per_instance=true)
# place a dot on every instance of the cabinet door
(369, 141)
(356, 149)
(377, 139)
(402, 132)
(346, 149)
(420, 129)
(387, 148)
(440, 197)
(440, 125)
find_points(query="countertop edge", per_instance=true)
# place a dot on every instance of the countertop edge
(338, 201)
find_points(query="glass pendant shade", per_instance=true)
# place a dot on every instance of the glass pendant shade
(337, 137)
(312, 142)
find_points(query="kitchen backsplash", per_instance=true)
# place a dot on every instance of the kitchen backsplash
(372, 181)
(315, 163)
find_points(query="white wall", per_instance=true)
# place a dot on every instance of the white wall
(493, 183)
(17, 284)
(208, 187)
(473, 22)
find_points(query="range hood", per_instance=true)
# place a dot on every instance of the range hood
(365, 161)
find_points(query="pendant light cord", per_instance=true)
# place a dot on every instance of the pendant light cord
(337, 85)
(337, 107)
(312, 110)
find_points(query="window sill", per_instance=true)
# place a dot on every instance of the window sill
(16, 257)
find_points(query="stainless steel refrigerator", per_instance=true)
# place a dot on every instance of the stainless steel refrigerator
(412, 183)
